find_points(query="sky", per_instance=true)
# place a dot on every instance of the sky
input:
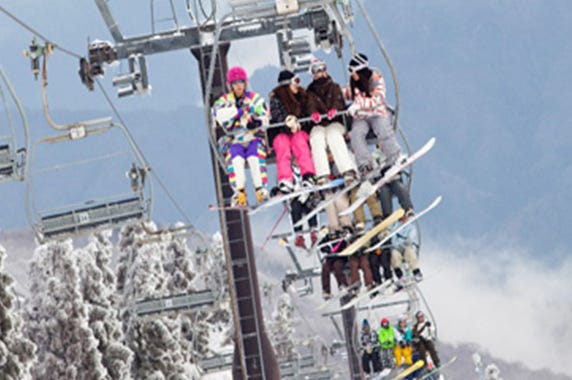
(490, 79)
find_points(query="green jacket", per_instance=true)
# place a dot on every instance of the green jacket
(386, 337)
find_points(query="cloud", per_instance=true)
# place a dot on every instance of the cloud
(503, 299)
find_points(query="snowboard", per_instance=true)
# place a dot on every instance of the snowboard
(438, 370)
(389, 176)
(409, 370)
(365, 238)
(341, 294)
(409, 221)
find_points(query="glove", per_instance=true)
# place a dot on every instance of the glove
(353, 109)
(428, 324)
(332, 113)
(316, 117)
(292, 123)
(239, 114)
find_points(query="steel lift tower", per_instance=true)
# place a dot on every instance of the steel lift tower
(209, 42)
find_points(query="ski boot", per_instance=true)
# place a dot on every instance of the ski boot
(239, 198)
(262, 195)
(285, 187)
(417, 275)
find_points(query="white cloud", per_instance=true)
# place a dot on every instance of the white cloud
(254, 53)
(503, 299)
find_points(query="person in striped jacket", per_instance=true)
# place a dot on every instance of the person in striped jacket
(240, 114)
(369, 111)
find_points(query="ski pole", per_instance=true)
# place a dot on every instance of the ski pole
(274, 227)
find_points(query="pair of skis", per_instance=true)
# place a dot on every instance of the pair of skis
(280, 198)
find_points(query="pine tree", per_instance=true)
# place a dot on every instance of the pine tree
(282, 329)
(98, 290)
(57, 317)
(16, 352)
(161, 351)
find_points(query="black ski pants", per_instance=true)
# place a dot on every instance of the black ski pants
(372, 358)
(398, 189)
(425, 345)
(298, 210)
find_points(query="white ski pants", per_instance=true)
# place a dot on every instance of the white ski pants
(386, 138)
(332, 137)
(408, 254)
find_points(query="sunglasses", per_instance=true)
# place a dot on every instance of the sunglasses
(320, 70)
(240, 81)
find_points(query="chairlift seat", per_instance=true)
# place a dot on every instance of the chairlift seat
(88, 218)
(6, 161)
(175, 303)
(217, 362)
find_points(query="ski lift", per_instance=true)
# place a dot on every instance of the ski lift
(12, 158)
(65, 157)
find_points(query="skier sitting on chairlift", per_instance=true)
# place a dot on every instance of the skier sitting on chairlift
(403, 336)
(402, 249)
(423, 337)
(289, 102)
(328, 133)
(330, 246)
(369, 110)
(370, 349)
(386, 338)
(241, 114)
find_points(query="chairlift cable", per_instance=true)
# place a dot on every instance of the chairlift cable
(38, 34)
(18, 106)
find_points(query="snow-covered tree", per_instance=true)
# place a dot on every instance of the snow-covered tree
(16, 352)
(282, 329)
(99, 292)
(57, 317)
(160, 349)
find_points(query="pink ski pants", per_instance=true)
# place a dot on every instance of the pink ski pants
(285, 145)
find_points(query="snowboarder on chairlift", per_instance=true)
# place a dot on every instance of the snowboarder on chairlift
(423, 337)
(241, 113)
(386, 337)
(370, 349)
(288, 103)
(299, 207)
(369, 110)
(403, 250)
(403, 336)
(328, 132)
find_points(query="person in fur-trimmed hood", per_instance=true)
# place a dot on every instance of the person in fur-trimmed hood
(288, 103)
(369, 110)
(328, 132)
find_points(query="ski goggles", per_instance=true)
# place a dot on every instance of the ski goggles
(240, 81)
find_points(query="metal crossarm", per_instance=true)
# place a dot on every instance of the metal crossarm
(189, 301)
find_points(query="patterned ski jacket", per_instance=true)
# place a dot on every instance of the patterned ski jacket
(386, 337)
(369, 341)
(368, 106)
(237, 117)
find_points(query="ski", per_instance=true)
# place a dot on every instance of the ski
(409, 221)
(323, 204)
(339, 295)
(365, 238)
(304, 190)
(368, 190)
(409, 370)
(438, 369)
(383, 288)
(230, 208)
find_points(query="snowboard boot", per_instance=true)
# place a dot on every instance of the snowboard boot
(239, 198)
(417, 275)
(262, 194)
(350, 177)
(410, 213)
(326, 296)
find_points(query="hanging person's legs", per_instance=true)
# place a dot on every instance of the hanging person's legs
(235, 160)
(301, 150)
(282, 146)
(358, 141)
(337, 144)
(386, 138)
(256, 157)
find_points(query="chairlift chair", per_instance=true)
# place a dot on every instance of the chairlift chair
(86, 215)
(12, 158)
